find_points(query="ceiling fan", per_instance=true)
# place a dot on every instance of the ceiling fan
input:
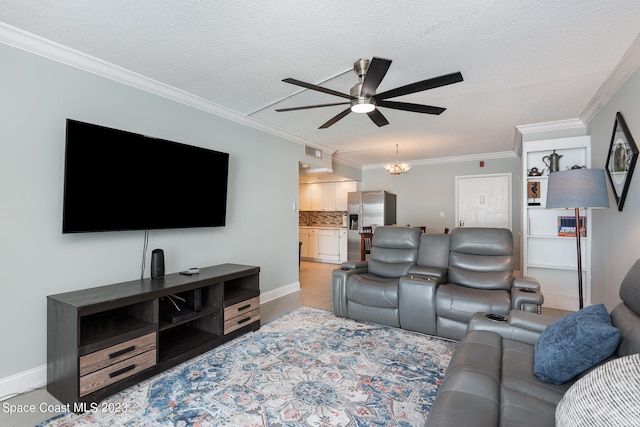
(363, 97)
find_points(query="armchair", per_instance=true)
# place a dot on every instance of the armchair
(480, 279)
(368, 290)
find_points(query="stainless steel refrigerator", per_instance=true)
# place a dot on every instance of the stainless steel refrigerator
(367, 208)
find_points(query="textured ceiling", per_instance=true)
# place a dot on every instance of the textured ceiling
(523, 61)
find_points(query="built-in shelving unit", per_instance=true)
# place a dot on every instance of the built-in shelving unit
(548, 257)
(102, 340)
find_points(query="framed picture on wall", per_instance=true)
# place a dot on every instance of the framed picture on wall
(621, 160)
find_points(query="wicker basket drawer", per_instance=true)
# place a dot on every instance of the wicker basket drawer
(116, 372)
(238, 322)
(125, 350)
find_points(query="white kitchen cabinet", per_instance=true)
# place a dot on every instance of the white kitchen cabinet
(328, 196)
(546, 256)
(323, 244)
(304, 195)
(313, 243)
(317, 200)
(343, 245)
(303, 236)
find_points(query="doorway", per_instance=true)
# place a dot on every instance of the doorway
(483, 201)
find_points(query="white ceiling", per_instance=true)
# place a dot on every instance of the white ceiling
(523, 61)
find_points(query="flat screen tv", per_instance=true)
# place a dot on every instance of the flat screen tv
(116, 180)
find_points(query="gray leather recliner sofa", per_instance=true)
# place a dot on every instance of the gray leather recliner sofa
(479, 278)
(368, 290)
(433, 283)
(490, 381)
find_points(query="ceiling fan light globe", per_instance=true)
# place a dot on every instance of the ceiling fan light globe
(362, 108)
(362, 105)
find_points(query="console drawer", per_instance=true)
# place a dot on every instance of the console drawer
(116, 353)
(241, 320)
(241, 308)
(116, 372)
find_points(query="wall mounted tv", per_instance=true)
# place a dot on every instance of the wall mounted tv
(117, 180)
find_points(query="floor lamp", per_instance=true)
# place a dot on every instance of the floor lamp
(575, 189)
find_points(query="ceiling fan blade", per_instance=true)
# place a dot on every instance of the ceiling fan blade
(375, 73)
(335, 119)
(377, 118)
(306, 107)
(315, 87)
(416, 108)
(432, 83)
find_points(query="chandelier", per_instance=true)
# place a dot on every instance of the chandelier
(397, 168)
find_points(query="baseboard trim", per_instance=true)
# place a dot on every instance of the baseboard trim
(22, 382)
(279, 292)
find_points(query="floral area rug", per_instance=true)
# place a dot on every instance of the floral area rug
(307, 368)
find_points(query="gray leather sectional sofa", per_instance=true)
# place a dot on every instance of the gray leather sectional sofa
(433, 283)
(491, 382)
(462, 287)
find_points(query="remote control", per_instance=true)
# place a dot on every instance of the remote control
(190, 272)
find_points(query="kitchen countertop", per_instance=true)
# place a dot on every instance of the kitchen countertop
(333, 227)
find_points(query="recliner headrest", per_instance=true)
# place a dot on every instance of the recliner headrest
(482, 241)
(396, 237)
(630, 287)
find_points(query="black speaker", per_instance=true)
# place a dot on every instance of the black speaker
(157, 264)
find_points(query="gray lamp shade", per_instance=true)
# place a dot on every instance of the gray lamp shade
(577, 188)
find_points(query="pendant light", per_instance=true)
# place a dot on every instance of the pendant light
(397, 168)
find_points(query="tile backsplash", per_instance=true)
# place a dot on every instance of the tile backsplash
(321, 218)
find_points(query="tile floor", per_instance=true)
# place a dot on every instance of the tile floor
(315, 291)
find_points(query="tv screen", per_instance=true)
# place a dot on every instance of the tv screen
(117, 180)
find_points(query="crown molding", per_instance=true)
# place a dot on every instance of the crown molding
(626, 67)
(345, 162)
(628, 64)
(452, 159)
(551, 126)
(40, 46)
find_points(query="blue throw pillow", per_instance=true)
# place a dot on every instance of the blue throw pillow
(574, 343)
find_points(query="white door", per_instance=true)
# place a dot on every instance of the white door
(483, 201)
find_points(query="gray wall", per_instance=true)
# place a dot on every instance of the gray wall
(37, 260)
(427, 190)
(616, 235)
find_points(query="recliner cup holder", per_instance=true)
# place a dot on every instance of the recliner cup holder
(527, 290)
(496, 317)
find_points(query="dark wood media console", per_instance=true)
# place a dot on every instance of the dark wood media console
(102, 340)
